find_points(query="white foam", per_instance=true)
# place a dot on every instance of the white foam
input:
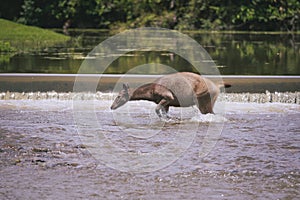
(209, 118)
(261, 108)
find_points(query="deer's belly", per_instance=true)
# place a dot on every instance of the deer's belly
(182, 103)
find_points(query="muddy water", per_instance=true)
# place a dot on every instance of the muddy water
(42, 156)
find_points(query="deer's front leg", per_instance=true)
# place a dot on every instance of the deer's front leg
(161, 109)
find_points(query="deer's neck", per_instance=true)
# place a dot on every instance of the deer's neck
(142, 93)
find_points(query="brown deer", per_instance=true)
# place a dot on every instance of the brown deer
(182, 89)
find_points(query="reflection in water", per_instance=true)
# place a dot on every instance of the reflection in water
(257, 54)
(42, 156)
(235, 54)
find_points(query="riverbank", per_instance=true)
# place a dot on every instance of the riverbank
(21, 38)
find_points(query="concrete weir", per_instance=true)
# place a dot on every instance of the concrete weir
(260, 89)
(106, 82)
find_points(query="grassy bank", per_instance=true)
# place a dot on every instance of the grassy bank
(19, 38)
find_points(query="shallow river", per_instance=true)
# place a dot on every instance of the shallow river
(48, 150)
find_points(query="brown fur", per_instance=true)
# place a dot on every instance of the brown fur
(181, 89)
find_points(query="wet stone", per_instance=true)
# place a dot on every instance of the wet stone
(38, 160)
(39, 150)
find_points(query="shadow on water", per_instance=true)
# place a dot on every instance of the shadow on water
(234, 54)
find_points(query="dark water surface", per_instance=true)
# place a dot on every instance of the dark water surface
(43, 157)
(234, 54)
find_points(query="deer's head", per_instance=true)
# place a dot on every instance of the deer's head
(122, 97)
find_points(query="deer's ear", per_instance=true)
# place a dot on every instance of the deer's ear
(125, 86)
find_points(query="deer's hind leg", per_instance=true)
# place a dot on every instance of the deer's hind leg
(205, 103)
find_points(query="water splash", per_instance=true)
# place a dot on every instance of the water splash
(267, 97)
(208, 118)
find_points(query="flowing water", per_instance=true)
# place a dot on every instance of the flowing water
(53, 147)
(43, 154)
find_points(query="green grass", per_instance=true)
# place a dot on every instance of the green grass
(22, 38)
(6, 47)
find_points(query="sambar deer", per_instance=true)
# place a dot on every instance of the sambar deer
(182, 89)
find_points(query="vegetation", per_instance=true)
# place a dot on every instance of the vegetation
(250, 15)
(18, 37)
(6, 47)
